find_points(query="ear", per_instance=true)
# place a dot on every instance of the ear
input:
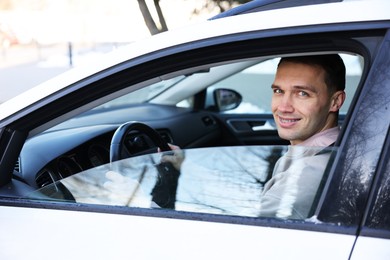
(337, 101)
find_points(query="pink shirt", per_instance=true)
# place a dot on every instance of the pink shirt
(324, 138)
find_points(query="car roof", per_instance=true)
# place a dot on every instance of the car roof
(264, 5)
(205, 30)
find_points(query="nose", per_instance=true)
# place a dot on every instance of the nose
(285, 104)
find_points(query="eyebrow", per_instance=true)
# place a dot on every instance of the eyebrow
(306, 87)
(299, 87)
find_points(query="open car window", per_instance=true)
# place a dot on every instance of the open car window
(254, 82)
(251, 78)
(223, 180)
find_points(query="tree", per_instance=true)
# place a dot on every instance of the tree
(222, 5)
(150, 23)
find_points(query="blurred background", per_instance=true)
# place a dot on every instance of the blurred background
(40, 39)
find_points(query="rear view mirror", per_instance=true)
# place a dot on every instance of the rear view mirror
(226, 99)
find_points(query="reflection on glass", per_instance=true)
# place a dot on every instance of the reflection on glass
(223, 180)
(354, 173)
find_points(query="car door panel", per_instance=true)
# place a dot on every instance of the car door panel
(371, 248)
(129, 237)
(250, 129)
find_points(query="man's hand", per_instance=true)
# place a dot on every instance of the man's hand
(176, 158)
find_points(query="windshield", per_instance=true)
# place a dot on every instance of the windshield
(142, 95)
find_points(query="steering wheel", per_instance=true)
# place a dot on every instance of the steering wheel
(118, 139)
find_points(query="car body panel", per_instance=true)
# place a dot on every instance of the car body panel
(103, 236)
(371, 248)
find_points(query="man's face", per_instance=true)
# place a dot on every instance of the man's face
(301, 103)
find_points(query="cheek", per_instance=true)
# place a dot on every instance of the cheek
(309, 109)
(316, 111)
(274, 103)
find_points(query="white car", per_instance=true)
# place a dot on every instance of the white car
(81, 177)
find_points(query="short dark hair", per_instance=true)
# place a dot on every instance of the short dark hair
(332, 64)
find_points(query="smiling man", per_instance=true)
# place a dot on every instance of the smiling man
(308, 92)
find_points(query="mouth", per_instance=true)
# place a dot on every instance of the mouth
(288, 122)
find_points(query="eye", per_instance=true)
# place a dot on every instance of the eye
(277, 91)
(303, 94)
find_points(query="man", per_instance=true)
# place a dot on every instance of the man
(308, 92)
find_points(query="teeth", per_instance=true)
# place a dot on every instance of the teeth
(288, 120)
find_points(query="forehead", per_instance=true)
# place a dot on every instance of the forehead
(301, 65)
(295, 72)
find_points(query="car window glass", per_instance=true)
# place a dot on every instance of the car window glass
(254, 84)
(224, 180)
(379, 217)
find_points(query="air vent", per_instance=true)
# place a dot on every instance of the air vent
(44, 178)
(17, 165)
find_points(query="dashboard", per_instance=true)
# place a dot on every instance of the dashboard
(84, 142)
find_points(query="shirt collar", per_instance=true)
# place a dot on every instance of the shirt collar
(323, 139)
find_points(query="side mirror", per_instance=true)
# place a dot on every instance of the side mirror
(226, 99)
